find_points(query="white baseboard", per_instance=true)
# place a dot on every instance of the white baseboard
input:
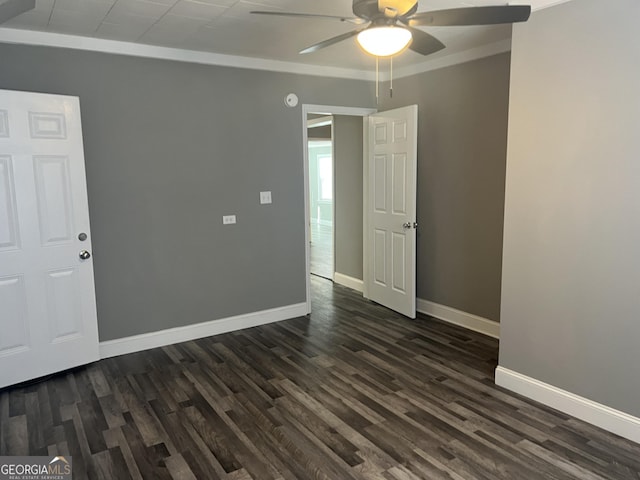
(348, 281)
(592, 412)
(145, 341)
(458, 317)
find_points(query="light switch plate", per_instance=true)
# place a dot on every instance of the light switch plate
(228, 219)
(265, 197)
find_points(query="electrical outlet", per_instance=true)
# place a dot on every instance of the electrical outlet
(228, 219)
(265, 197)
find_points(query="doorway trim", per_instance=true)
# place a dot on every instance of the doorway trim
(329, 110)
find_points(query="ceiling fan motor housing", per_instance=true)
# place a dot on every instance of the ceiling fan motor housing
(366, 9)
(370, 9)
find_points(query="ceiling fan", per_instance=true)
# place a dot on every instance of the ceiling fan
(390, 24)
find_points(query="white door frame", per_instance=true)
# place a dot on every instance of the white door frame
(329, 110)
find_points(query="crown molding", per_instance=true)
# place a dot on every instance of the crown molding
(453, 59)
(75, 42)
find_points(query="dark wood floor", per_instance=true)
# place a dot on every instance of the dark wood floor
(353, 392)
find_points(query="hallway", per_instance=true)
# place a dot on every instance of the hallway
(322, 259)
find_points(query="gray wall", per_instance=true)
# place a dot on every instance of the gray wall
(462, 136)
(170, 148)
(571, 278)
(348, 191)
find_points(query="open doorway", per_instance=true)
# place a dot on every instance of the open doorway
(332, 185)
(321, 195)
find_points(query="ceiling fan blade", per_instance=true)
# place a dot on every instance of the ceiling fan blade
(355, 20)
(471, 16)
(330, 41)
(398, 7)
(423, 43)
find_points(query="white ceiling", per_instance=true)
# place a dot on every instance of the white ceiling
(227, 27)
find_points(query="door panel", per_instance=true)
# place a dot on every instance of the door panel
(8, 215)
(391, 216)
(380, 183)
(47, 299)
(54, 202)
(399, 131)
(4, 123)
(380, 135)
(13, 322)
(398, 259)
(47, 125)
(380, 257)
(398, 180)
(63, 305)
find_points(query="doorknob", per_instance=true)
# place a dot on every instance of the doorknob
(415, 224)
(84, 255)
(406, 225)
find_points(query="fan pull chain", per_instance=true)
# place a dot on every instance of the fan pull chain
(391, 79)
(377, 82)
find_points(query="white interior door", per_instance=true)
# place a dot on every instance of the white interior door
(47, 302)
(391, 209)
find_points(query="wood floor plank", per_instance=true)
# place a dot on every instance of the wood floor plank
(179, 468)
(301, 435)
(114, 439)
(325, 434)
(206, 427)
(354, 391)
(571, 468)
(15, 435)
(35, 427)
(110, 464)
(201, 458)
(148, 460)
(246, 453)
(4, 419)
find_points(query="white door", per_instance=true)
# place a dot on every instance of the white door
(47, 301)
(391, 209)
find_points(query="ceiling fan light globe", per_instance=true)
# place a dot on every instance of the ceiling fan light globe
(384, 41)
